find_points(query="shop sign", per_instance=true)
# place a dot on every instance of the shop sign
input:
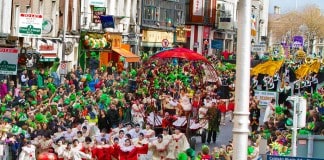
(156, 36)
(197, 8)
(258, 48)
(217, 44)
(8, 61)
(97, 2)
(265, 97)
(225, 23)
(30, 25)
(49, 47)
(97, 12)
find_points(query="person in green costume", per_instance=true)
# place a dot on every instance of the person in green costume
(40, 78)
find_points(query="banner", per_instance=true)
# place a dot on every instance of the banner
(30, 25)
(8, 61)
(298, 41)
(198, 8)
(265, 97)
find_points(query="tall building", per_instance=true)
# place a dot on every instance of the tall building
(5, 12)
(200, 21)
(224, 36)
(162, 24)
(42, 48)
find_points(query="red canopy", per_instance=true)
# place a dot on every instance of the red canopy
(181, 53)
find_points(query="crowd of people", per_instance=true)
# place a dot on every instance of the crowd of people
(114, 113)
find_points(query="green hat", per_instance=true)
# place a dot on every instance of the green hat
(67, 101)
(56, 98)
(182, 156)
(40, 118)
(73, 97)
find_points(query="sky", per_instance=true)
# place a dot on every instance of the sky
(290, 5)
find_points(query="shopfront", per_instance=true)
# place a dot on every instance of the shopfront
(106, 48)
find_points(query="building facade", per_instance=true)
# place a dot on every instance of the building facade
(162, 24)
(200, 22)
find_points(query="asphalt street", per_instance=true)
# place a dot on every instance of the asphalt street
(225, 135)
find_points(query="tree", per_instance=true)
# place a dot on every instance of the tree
(307, 22)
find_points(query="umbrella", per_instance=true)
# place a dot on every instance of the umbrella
(181, 53)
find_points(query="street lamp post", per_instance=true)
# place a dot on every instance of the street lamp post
(242, 91)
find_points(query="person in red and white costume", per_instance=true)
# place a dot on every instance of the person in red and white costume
(149, 133)
(45, 143)
(179, 143)
(73, 154)
(87, 146)
(98, 151)
(160, 148)
(138, 112)
(127, 151)
(28, 152)
(140, 142)
(59, 148)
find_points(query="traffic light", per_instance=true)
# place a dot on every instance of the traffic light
(297, 105)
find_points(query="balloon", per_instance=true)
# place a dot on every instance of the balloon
(67, 101)
(133, 73)
(122, 58)
(8, 97)
(73, 97)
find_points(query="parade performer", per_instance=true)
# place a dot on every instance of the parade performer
(160, 148)
(168, 120)
(69, 153)
(138, 112)
(214, 120)
(127, 151)
(203, 120)
(59, 148)
(185, 102)
(87, 146)
(254, 84)
(140, 142)
(269, 110)
(28, 152)
(179, 143)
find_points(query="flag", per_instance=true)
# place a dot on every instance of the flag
(253, 26)
(107, 21)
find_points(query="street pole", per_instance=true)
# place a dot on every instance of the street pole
(242, 91)
(65, 22)
(294, 129)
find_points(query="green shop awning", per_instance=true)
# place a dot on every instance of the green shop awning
(47, 59)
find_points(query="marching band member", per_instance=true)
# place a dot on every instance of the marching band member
(270, 85)
(296, 87)
(308, 85)
(314, 81)
(276, 78)
(254, 84)
(265, 82)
